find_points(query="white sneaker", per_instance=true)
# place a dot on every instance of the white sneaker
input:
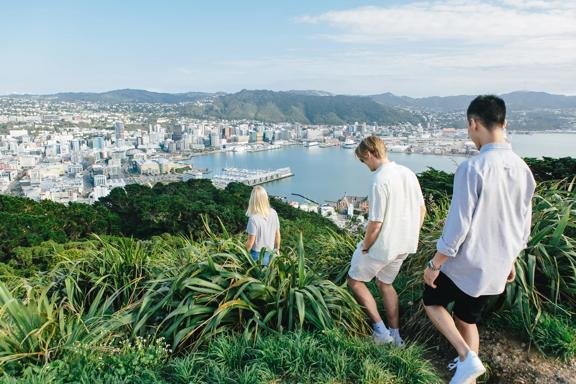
(382, 337)
(452, 366)
(399, 342)
(467, 370)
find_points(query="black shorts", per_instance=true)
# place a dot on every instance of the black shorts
(466, 308)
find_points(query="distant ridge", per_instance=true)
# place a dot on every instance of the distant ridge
(132, 96)
(270, 106)
(122, 96)
(520, 100)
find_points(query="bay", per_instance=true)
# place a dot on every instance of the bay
(327, 174)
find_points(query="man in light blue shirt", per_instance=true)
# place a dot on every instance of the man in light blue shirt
(488, 225)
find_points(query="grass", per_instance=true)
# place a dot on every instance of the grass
(299, 357)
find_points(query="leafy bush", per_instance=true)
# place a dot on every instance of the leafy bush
(42, 326)
(546, 270)
(221, 288)
(141, 361)
(547, 169)
(332, 254)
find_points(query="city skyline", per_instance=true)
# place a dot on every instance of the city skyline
(410, 48)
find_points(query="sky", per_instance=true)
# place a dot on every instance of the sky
(412, 48)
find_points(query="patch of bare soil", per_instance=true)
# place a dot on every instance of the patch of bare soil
(510, 361)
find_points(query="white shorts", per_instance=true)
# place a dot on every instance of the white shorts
(365, 268)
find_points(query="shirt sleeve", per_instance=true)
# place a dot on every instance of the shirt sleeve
(527, 226)
(377, 202)
(528, 215)
(251, 228)
(467, 185)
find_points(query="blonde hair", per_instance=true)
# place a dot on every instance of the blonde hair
(258, 204)
(372, 144)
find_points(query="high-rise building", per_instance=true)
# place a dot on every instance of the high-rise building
(177, 133)
(215, 140)
(119, 130)
(98, 143)
(75, 145)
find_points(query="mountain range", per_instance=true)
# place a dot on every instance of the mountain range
(310, 106)
(521, 100)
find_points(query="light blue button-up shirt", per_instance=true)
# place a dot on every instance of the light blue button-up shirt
(489, 220)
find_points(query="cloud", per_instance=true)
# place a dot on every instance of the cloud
(451, 20)
(461, 45)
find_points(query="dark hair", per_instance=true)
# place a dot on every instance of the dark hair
(489, 109)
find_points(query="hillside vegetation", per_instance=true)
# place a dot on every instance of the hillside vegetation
(166, 292)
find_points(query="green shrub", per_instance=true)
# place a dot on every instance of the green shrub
(141, 361)
(221, 288)
(43, 326)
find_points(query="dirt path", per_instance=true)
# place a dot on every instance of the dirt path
(510, 361)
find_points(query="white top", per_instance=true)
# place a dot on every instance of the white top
(488, 223)
(264, 228)
(395, 199)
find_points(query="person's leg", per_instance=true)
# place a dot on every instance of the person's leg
(435, 302)
(467, 313)
(469, 333)
(365, 299)
(390, 298)
(266, 259)
(445, 324)
(362, 269)
(384, 280)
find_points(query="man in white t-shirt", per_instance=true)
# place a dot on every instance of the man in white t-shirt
(395, 215)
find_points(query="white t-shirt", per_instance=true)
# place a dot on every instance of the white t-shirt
(264, 228)
(395, 199)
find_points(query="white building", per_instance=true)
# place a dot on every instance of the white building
(99, 180)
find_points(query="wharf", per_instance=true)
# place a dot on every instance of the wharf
(250, 177)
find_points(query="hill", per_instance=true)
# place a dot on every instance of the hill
(299, 107)
(131, 96)
(520, 101)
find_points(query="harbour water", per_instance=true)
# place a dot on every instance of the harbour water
(327, 174)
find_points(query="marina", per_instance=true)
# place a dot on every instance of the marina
(250, 177)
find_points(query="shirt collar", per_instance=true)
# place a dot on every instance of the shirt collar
(495, 146)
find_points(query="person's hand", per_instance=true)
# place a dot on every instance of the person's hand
(511, 275)
(276, 251)
(430, 276)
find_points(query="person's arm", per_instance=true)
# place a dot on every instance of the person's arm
(372, 231)
(250, 242)
(376, 211)
(527, 232)
(467, 185)
(422, 202)
(277, 241)
(422, 215)
(251, 229)
(432, 271)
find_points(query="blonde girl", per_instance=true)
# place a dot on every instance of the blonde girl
(263, 226)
